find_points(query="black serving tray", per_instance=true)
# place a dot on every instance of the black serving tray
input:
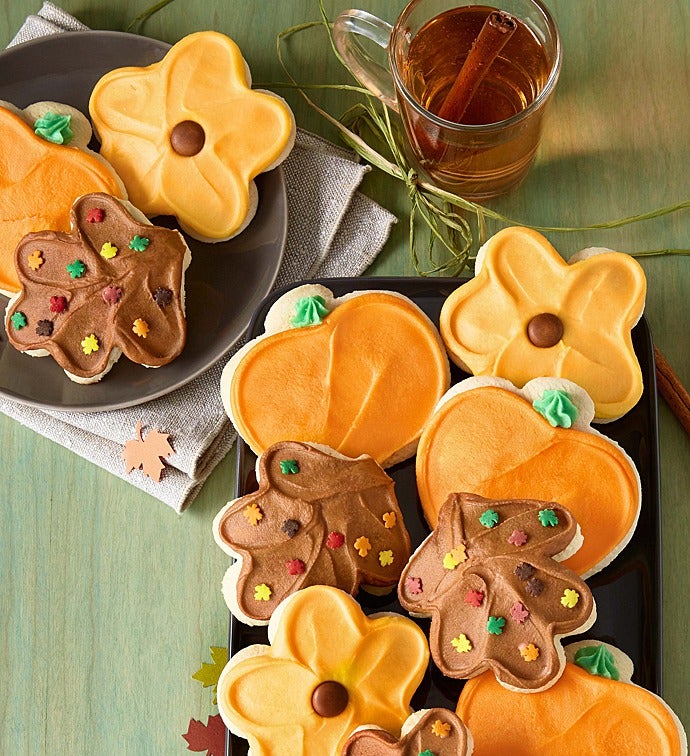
(627, 592)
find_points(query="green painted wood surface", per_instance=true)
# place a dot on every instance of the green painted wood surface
(109, 600)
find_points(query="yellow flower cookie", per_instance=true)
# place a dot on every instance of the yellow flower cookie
(528, 313)
(188, 135)
(329, 669)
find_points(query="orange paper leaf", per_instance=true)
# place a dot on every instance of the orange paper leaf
(146, 453)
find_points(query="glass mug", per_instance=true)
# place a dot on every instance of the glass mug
(493, 148)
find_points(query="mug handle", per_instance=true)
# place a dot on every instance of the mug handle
(367, 71)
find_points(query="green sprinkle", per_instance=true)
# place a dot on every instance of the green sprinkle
(139, 243)
(426, 752)
(309, 311)
(76, 269)
(548, 518)
(597, 660)
(556, 406)
(495, 625)
(489, 518)
(289, 466)
(54, 128)
(18, 320)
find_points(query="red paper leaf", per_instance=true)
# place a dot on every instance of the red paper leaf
(209, 737)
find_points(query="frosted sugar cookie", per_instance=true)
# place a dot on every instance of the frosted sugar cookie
(318, 518)
(188, 135)
(45, 165)
(359, 373)
(529, 313)
(490, 438)
(490, 579)
(429, 731)
(114, 285)
(594, 708)
(328, 669)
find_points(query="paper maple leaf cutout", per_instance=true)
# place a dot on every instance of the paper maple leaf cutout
(209, 737)
(328, 516)
(208, 674)
(510, 578)
(145, 453)
(104, 297)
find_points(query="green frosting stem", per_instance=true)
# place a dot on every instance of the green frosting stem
(597, 660)
(54, 128)
(555, 405)
(309, 311)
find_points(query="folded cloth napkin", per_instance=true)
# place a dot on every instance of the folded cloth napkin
(333, 230)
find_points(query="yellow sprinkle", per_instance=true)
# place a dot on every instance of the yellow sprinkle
(253, 513)
(362, 545)
(108, 251)
(570, 598)
(390, 519)
(529, 652)
(35, 259)
(440, 729)
(262, 592)
(461, 644)
(385, 558)
(89, 344)
(140, 327)
(453, 558)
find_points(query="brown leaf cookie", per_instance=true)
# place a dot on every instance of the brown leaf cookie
(438, 732)
(317, 518)
(114, 285)
(489, 579)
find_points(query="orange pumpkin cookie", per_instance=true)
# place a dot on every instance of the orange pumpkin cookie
(428, 732)
(188, 135)
(329, 669)
(529, 313)
(495, 440)
(44, 166)
(318, 518)
(498, 599)
(114, 285)
(593, 709)
(360, 374)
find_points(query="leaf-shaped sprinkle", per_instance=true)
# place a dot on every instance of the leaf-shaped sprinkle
(108, 251)
(529, 652)
(556, 407)
(413, 585)
(262, 592)
(162, 297)
(389, 520)
(95, 215)
(89, 344)
(518, 613)
(76, 269)
(362, 546)
(141, 328)
(139, 243)
(461, 644)
(440, 729)
(58, 304)
(18, 320)
(295, 567)
(548, 518)
(35, 259)
(489, 518)
(495, 625)
(385, 558)
(44, 328)
(474, 598)
(289, 466)
(146, 453)
(54, 127)
(309, 311)
(570, 598)
(112, 294)
(253, 514)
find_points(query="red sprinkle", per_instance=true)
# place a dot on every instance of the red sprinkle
(335, 540)
(413, 585)
(517, 538)
(474, 598)
(95, 215)
(58, 304)
(295, 566)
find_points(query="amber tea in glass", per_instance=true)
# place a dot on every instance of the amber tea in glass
(490, 148)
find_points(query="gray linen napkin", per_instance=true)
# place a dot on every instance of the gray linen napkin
(334, 231)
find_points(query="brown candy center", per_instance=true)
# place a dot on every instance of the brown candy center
(187, 138)
(545, 330)
(329, 699)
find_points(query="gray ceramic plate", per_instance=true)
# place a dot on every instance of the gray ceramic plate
(225, 282)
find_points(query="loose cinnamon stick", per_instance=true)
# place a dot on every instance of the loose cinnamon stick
(673, 391)
(496, 31)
